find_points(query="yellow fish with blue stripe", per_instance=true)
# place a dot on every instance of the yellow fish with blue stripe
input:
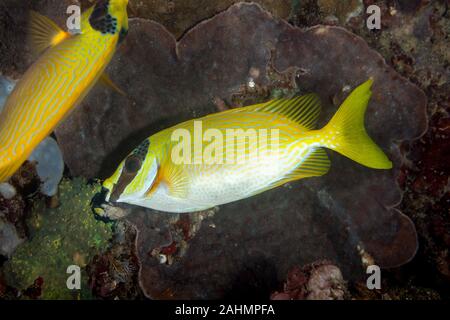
(175, 171)
(61, 77)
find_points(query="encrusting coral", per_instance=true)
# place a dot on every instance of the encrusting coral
(60, 237)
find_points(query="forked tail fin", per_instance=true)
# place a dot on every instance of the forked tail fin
(352, 140)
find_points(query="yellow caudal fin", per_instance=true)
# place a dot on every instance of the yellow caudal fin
(347, 126)
(44, 33)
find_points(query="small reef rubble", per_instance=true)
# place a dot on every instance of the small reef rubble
(317, 281)
(182, 228)
(323, 280)
(15, 207)
(113, 274)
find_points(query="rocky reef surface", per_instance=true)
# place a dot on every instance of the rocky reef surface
(218, 57)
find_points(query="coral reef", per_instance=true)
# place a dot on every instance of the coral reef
(347, 206)
(181, 229)
(114, 273)
(324, 281)
(14, 210)
(316, 281)
(255, 242)
(181, 15)
(60, 237)
(414, 40)
(391, 291)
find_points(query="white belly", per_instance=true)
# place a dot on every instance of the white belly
(219, 184)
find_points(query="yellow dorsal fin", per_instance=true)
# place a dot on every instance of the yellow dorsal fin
(303, 110)
(44, 33)
(104, 79)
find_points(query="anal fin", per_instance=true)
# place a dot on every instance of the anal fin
(315, 163)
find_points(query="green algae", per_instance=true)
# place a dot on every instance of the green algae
(60, 237)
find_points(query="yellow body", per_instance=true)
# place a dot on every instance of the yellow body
(53, 85)
(187, 168)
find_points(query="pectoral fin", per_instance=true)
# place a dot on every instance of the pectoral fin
(105, 80)
(172, 176)
(44, 33)
(176, 181)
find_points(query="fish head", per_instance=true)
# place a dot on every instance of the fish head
(131, 181)
(109, 17)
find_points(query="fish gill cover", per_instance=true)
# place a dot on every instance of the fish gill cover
(347, 216)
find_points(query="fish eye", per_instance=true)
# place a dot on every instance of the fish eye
(132, 164)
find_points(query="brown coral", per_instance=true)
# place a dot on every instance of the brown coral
(328, 217)
(316, 281)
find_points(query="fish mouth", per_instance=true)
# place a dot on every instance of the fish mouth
(98, 204)
(105, 210)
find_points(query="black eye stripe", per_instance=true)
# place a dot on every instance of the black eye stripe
(129, 172)
(132, 165)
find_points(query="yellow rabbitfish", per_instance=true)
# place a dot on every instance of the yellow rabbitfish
(162, 175)
(61, 77)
